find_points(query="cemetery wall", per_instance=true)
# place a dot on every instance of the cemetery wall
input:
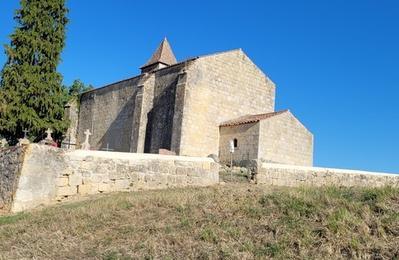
(51, 175)
(11, 160)
(293, 176)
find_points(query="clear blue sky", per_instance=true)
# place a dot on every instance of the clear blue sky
(335, 63)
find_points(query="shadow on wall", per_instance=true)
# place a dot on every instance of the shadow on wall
(159, 127)
(118, 135)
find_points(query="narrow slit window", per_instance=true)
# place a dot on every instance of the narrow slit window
(235, 143)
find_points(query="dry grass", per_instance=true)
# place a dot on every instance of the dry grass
(235, 221)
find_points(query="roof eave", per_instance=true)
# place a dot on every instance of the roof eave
(148, 65)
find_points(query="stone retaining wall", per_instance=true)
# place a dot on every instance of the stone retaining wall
(49, 174)
(10, 167)
(288, 175)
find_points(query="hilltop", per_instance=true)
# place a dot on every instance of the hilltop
(236, 221)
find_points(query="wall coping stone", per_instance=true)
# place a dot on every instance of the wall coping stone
(135, 156)
(320, 169)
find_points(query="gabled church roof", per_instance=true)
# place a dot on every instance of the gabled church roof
(163, 54)
(251, 118)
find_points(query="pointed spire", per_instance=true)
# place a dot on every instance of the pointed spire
(163, 55)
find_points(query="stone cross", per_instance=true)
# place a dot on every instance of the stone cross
(3, 143)
(49, 132)
(48, 140)
(24, 140)
(86, 144)
(107, 148)
(87, 135)
(26, 131)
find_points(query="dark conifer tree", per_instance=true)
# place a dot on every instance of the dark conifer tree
(31, 89)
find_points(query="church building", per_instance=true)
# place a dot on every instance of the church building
(197, 107)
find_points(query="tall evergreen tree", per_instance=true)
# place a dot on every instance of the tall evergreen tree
(30, 89)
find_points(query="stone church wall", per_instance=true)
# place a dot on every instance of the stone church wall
(135, 115)
(49, 175)
(221, 87)
(160, 123)
(108, 113)
(72, 114)
(283, 139)
(247, 136)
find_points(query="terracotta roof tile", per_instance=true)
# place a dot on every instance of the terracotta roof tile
(251, 118)
(163, 54)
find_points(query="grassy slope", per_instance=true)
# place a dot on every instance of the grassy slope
(231, 221)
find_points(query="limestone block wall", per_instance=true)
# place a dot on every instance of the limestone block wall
(49, 174)
(143, 105)
(160, 124)
(36, 185)
(135, 115)
(11, 160)
(247, 136)
(221, 87)
(108, 113)
(283, 139)
(293, 176)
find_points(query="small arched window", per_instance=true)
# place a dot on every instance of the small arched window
(235, 143)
